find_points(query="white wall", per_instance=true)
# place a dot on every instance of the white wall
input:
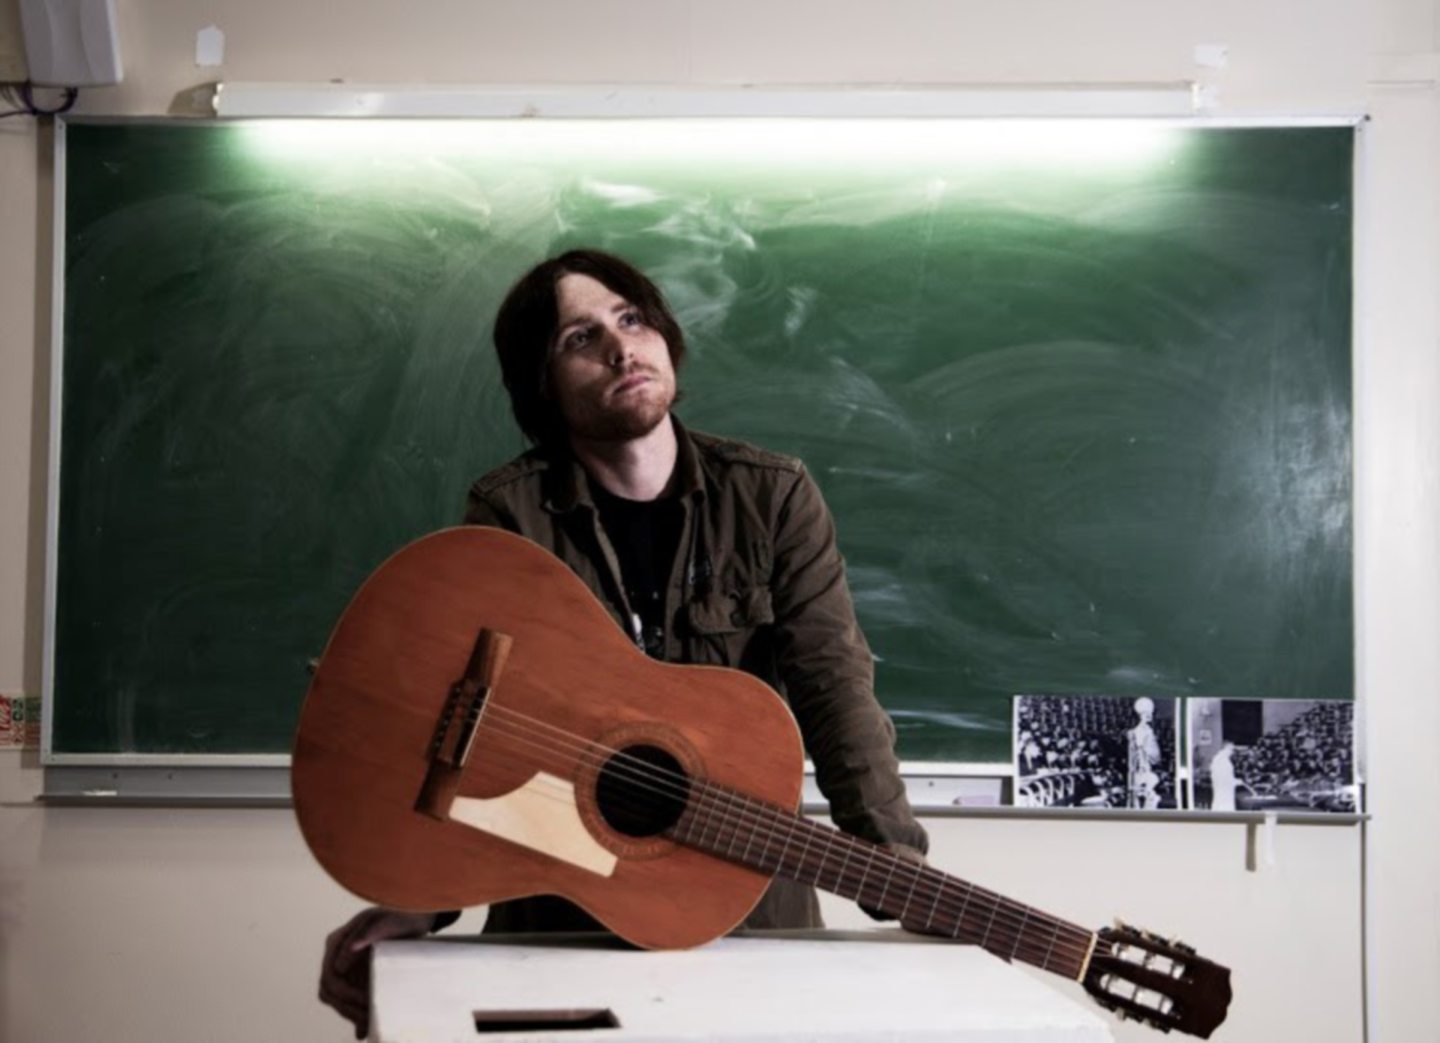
(206, 924)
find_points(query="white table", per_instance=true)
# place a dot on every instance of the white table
(778, 985)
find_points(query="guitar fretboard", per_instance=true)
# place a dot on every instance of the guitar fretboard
(777, 842)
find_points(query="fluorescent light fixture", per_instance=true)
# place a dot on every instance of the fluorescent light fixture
(611, 102)
(370, 147)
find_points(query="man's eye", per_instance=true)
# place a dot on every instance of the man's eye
(631, 318)
(577, 339)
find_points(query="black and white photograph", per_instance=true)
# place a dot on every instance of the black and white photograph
(1095, 752)
(1272, 754)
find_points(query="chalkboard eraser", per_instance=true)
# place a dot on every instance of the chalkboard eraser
(101, 793)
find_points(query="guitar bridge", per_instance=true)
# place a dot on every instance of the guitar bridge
(458, 722)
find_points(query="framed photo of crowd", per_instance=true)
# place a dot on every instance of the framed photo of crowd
(1272, 755)
(1096, 752)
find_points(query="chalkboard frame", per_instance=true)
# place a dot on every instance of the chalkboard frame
(262, 778)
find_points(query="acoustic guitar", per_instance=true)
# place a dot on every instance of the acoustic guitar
(478, 729)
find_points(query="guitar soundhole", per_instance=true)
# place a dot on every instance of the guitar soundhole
(641, 791)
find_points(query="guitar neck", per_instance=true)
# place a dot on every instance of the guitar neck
(778, 842)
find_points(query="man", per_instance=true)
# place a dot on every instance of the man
(1223, 779)
(704, 550)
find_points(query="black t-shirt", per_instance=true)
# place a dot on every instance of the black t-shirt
(645, 535)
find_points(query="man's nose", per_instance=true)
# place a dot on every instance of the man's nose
(617, 347)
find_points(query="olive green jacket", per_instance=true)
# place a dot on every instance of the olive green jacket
(758, 584)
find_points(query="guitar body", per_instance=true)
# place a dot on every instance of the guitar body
(480, 730)
(534, 808)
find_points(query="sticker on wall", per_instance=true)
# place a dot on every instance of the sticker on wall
(20, 722)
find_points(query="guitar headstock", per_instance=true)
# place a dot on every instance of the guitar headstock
(1163, 983)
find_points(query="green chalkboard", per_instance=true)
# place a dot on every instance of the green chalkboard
(1078, 394)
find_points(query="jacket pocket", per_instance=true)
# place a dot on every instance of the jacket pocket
(724, 622)
(727, 613)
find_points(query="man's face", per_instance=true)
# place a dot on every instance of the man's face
(610, 374)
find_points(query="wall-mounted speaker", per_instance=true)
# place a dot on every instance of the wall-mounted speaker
(71, 43)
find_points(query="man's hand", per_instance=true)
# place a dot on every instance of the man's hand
(345, 972)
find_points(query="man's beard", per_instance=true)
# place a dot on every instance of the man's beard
(619, 424)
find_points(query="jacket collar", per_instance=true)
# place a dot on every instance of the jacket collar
(567, 485)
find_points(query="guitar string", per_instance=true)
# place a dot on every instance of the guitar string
(937, 885)
(938, 889)
(1054, 951)
(986, 899)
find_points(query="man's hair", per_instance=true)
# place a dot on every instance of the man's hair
(526, 324)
